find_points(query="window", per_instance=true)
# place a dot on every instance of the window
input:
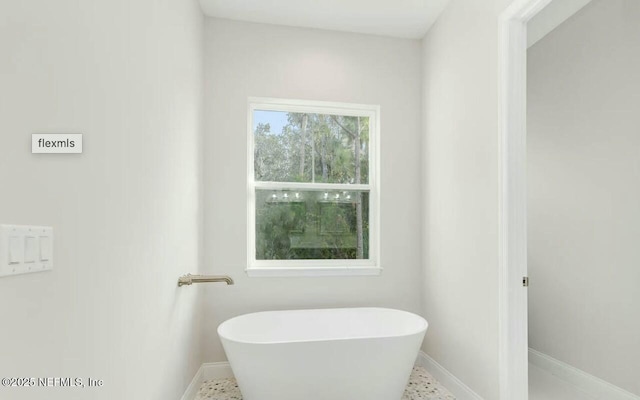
(312, 188)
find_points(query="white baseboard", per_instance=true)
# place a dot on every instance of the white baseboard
(220, 370)
(448, 380)
(193, 387)
(207, 371)
(216, 370)
(584, 381)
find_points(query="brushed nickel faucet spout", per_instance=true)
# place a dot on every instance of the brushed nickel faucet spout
(189, 279)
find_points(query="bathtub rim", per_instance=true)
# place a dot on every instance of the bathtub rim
(423, 322)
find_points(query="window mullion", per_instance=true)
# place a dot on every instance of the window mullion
(311, 186)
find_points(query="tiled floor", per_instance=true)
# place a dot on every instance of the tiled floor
(544, 386)
(422, 386)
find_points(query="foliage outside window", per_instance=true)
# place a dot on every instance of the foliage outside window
(312, 188)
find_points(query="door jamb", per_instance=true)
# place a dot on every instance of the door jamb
(512, 94)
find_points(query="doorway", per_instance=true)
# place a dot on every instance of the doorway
(516, 263)
(583, 202)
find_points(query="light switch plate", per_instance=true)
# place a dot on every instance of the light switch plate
(25, 249)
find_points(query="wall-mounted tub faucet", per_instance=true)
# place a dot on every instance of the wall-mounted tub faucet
(189, 279)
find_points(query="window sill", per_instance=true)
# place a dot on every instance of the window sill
(280, 272)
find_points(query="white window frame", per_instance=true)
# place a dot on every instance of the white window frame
(280, 268)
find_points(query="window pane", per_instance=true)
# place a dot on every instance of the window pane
(323, 225)
(295, 147)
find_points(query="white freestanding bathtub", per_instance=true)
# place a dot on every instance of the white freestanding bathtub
(327, 354)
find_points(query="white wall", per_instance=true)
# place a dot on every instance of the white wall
(126, 213)
(460, 182)
(246, 59)
(584, 213)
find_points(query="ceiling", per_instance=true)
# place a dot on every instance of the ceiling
(397, 18)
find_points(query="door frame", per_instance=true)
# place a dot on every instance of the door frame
(512, 95)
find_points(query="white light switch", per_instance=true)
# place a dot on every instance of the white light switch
(29, 249)
(25, 249)
(45, 248)
(15, 250)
